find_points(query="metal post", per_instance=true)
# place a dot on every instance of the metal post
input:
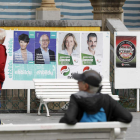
(28, 101)
(137, 100)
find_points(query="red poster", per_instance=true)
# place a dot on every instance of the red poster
(126, 51)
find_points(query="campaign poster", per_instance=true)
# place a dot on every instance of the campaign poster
(66, 71)
(68, 48)
(23, 55)
(45, 55)
(92, 48)
(126, 51)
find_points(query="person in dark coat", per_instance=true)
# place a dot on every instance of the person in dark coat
(89, 105)
(43, 55)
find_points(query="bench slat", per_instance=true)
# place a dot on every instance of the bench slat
(53, 96)
(66, 90)
(58, 87)
(58, 90)
(64, 86)
(53, 84)
(56, 100)
(56, 93)
(53, 80)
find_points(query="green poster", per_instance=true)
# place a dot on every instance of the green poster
(88, 59)
(64, 59)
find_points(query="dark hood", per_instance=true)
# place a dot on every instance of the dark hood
(88, 102)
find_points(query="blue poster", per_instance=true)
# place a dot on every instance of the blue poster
(23, 50)
(34, 55)
(45, 47)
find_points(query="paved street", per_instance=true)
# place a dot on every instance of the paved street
(133, 133)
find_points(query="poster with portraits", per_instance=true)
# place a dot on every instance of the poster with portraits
(33, 55)
(68, 48)
(53, 54)
(126, 51)
(92, 46)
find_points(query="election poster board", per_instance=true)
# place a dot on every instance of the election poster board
(27, 58)
(127, 60)
(99, 61)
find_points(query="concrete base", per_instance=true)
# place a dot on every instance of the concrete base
(47, 15)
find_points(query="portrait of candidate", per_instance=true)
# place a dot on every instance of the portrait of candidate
(92, 43)
(69, 45)
(43, 55)
(22, 55)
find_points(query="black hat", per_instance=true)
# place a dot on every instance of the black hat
(90, 77)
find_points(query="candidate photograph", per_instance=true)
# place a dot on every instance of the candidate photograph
(69, 44)
(45, 48)
(92, 45)
(23, 52)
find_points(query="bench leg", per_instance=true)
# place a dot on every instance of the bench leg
(39, 109)
(47, 110)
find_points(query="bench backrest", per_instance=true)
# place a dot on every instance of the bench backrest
(94, 131)
(62, 88)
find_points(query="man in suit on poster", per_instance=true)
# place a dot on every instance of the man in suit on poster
(43, 55)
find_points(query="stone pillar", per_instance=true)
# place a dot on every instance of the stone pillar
(48, 11)
(104, 9)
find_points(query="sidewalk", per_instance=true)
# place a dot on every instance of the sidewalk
(133, 133)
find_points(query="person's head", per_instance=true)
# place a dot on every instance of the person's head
(69, 41)
(2, 35)
(92, 40)
(89, 81)
(23, 41)
(44, 41)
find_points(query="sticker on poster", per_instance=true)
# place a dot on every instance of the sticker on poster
(66, 72)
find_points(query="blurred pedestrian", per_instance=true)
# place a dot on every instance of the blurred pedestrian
(3, 57)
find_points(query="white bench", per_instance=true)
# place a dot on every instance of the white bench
(53, 131)
(56, 90)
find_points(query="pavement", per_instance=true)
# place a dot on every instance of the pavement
(133, 133)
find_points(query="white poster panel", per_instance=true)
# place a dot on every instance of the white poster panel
(17, 70)
(22, 65)
(127, 69)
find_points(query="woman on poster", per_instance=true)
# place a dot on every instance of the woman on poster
(69, 45)
(23, 56)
